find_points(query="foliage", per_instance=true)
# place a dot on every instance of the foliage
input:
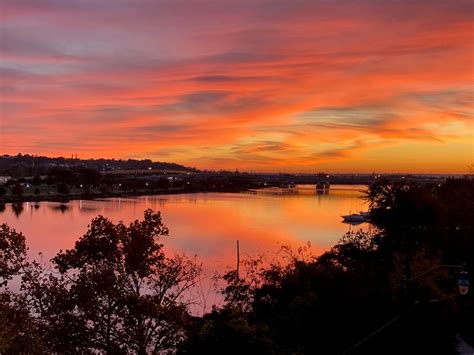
(114, 292)
(18, 331)
(120, 290)
(327, 304)
(61, 175)
(18, 189)
(226, 331)
(62, 188)
(12, 253)
(28, 165)
(89, 177)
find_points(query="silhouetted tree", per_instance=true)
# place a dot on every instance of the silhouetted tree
(163, 184)
(36, 180)
(12, 255)
(117, 292)
(89, 177)
(61, 175)
(18, 331)
(10, 182)
(63, 189)
(332, 302)
(18, 189)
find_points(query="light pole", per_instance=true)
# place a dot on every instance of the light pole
(463, 287)
(463, 282)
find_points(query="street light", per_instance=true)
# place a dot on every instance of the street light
(463, 283)
(463, 286)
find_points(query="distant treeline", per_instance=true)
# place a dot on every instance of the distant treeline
(29, 165)
(61, 183)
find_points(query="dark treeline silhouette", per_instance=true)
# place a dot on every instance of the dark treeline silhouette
(363, 296)
(62, 184)
(29, 165)
(116, 291)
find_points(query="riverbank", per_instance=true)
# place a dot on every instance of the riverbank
(96, 195)
(26, 191)
(99, 196)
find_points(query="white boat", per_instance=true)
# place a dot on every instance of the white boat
(354, 217)
(365, 214)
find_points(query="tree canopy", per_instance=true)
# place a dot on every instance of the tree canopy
(114, 292)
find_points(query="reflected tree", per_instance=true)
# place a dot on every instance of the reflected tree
(17, 208)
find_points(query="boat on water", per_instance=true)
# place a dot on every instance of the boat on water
(356, 217)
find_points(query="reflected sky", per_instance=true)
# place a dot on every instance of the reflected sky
(205, 225)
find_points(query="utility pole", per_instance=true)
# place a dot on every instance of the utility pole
(238, 258)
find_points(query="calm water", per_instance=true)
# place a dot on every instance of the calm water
(206, 225)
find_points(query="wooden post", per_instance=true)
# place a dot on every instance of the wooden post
(238, 258)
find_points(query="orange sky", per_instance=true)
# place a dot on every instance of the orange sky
(280, 85)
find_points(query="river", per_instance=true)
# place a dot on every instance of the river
(203, 224)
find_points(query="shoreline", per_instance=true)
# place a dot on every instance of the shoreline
(92, 197)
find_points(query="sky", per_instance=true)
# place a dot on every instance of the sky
(261, 85)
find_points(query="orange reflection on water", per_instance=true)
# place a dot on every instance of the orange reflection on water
(205, 225)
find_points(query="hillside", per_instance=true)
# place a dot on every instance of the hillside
(29, 165)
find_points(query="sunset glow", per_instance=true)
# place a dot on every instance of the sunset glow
(205, 225)
(280, 85)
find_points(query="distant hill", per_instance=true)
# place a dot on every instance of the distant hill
(29, 165)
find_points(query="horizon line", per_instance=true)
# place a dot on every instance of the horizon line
(250, 171)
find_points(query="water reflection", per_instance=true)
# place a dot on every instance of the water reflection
(353, 223)
(206, 225)
(17, 208)
(60, 208)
